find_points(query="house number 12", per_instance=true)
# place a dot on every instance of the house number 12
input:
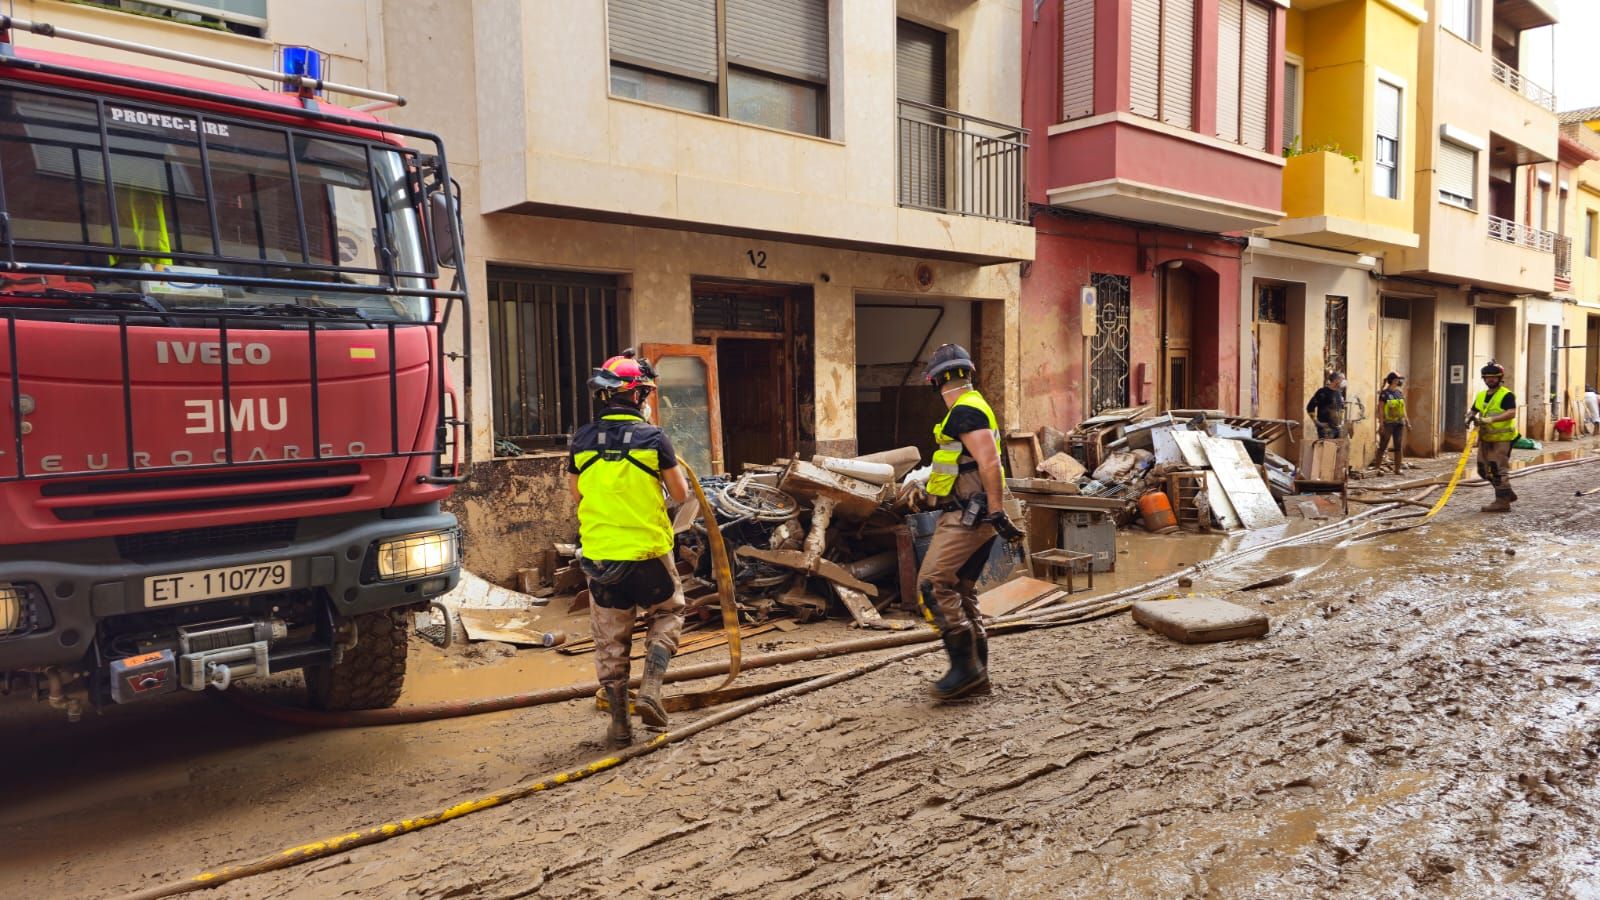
(758, 258)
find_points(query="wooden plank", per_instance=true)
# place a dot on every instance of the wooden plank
(508, 626)
(795, 559)
(1194, 455)
(1013, 595)
(1041, 486)
(865, 614)
(1221, 508)
(1250, 497)
(1073, 502)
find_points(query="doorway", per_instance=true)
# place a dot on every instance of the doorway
(1110, 345)
(1456, 353)
(761, 337)
(1272, 351)
(894, 338)
(1177, 314)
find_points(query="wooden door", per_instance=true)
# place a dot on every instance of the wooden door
(1177, 303)
(686, 404)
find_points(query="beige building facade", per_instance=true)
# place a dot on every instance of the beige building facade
(789, 203)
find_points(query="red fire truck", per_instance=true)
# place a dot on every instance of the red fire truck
(226, 426)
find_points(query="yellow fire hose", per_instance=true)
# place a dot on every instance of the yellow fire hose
(724, 572)
(1455, 479)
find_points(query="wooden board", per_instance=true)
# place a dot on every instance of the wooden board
(794, 559)
(1041, 486)
(1221, 508)
(1194, 455)
(1251, 498)
(508, 626)
(1071, 502)
(865, 614)
(1325, 460)
(1022, 449)
(1013, 595)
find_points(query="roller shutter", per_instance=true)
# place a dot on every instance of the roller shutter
(1144, 77)
(787, 37)
(1077, 59)
(1230, 27)
(1291, 105)
(676, 36)
(920, 77)
(1177, 63)
(1255, 75)
(1458, 172)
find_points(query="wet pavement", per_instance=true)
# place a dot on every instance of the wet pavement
(1421, 721)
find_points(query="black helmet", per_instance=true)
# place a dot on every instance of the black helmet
(949, 358)
(1492, 368)
(1392, 377)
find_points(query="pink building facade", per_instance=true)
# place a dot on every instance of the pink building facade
(1160, 141)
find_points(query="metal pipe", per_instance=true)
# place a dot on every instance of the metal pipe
(44, 29)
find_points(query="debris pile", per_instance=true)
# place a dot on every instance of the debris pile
(1181, 469)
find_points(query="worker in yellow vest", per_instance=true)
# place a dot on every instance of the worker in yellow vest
(1392, 428)
(1494, 411)
(617, 468)
(968, 484)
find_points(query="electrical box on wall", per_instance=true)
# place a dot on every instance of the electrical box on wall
(1089, 299)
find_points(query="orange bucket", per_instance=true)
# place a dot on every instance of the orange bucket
(1156, 510)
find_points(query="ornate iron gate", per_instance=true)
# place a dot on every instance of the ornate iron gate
(1336, 339)
(1108, 349)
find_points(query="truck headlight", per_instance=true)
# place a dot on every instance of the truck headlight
(419, 555)
(20, 611)
(10, 608)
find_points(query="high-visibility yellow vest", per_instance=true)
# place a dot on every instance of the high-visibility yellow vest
(622, 516)
(144, 219)
(1394, 410)
(950, 453)
(1487, 405)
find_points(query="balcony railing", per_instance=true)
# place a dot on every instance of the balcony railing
(1522, 235)
(955, 163)
(1516, 81)
(1564, 258)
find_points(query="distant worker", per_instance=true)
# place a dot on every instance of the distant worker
(968, 483)
(1494, 411)
(618, 466)
(1392, 405)
(1327, 407)
(1591, 410)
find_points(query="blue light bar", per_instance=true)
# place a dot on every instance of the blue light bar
(304, 61)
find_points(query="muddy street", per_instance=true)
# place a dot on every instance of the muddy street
(1420, 721)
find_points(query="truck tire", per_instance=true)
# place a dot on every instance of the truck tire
(371, 673)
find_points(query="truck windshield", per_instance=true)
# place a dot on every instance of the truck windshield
(195, 195)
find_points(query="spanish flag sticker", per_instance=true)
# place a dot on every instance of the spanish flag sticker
(363, 353)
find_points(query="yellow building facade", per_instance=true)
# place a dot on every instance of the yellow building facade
(1350, 138)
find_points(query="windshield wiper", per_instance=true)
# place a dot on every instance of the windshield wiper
(300, 309)
(94, 299)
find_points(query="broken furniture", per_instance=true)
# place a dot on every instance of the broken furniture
(1324, 467)
(1069, 563)
(1058, 521)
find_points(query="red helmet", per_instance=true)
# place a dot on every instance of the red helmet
(623, 374)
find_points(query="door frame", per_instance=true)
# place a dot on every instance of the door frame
(707, 355)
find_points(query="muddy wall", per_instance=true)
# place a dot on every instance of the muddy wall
(510, 510)
(1053, 349)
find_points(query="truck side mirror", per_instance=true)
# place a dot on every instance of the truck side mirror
(442, 223)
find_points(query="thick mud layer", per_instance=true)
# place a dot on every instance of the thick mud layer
(1421, 721)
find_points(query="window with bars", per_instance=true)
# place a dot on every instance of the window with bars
(1272, 304)
(247, 17)
(758, 61)
(1244, 74)
(548, 331)
(1457, 173)
(1161, 44)
(1386, 155)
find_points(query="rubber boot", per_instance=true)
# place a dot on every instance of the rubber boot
(981, 643)
(620, 733)
(1500, 504)
(966, 670)
(651, 712)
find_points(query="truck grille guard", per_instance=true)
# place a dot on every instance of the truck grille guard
(452, 444)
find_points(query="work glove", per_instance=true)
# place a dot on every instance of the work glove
(1005, 527)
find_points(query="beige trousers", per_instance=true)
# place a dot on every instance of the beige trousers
(613, 629)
